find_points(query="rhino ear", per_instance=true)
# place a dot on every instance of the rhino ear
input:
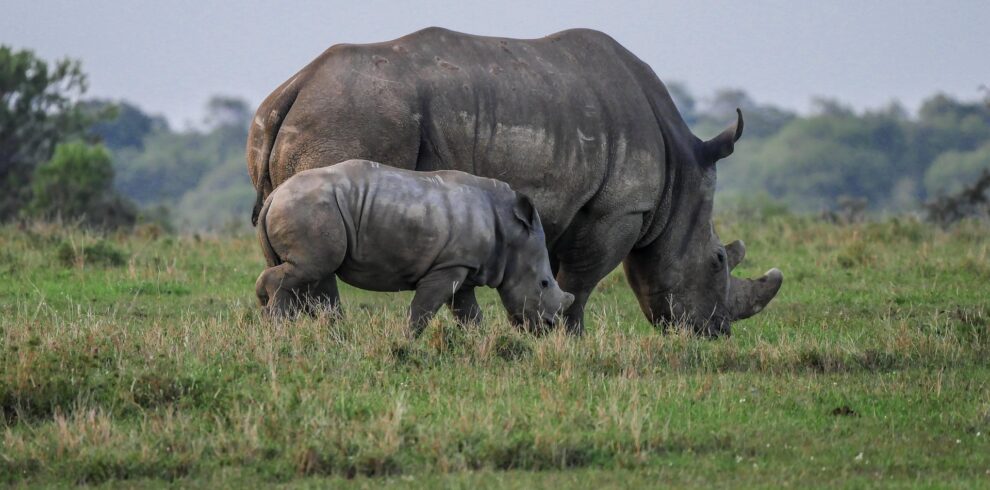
(748, 297)
(722, 145)
(525, 212)
(736, 252)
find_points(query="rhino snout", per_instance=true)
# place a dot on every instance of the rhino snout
(567, 302)
(550, 315)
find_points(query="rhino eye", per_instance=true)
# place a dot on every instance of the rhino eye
(544, 284)
(719, 260)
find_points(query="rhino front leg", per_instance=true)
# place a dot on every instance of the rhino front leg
(599, 248)
(464, 306)
(432, 291)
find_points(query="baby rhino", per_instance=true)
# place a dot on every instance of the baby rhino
(385, 229)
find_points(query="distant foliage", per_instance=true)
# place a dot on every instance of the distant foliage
(954, 170)
(892, 160)
(849, 210)
(38, 109)
(972, 201)
(77, 183)
(126, 126)
(197, 174)
(102, 253)
(836, 162)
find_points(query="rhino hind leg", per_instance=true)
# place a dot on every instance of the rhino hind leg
(464, 306)
(433, 291)
(315, 239)
(323, 296)
(281, 290)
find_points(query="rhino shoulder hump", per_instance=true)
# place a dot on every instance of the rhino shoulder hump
(584, 34)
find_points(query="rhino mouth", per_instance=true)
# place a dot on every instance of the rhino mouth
(714, 328)
(710, 328)
(545, 324)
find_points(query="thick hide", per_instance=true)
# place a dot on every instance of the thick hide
(573, 120)
(385, 229)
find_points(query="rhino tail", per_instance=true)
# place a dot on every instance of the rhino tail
(261, 138)
(271, 257)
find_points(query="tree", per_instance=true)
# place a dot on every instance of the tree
(170, 166)
(946, 124)
(954, 170)
(227, 111)
(813, 162)
(126, 126)
(38, 108)
(78, 183)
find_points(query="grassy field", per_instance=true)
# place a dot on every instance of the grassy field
(143, 359)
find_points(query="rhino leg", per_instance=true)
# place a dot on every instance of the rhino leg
(432, 291)
(464, 306)
(282, 289)
(323, 294)
(597, 250)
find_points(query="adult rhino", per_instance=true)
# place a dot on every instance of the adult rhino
(573, 120)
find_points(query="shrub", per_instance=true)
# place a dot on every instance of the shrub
(77, 183)
(101, 253)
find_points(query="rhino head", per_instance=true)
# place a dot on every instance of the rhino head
(529, 291)
(684, 276)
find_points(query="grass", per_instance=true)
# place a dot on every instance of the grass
(142, 360)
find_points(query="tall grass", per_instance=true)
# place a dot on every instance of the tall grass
(871, 367)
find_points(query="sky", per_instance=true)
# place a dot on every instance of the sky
(169, 57)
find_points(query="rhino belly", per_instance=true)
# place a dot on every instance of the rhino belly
(375, 277)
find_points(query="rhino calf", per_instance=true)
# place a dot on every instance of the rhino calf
(385, 229)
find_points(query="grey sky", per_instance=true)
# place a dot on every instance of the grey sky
(170, 56)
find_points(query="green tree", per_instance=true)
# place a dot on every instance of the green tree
(127, 125)
(953, 170)
(946, 124)
(77, 183)
(223, 110)
(170, 164)
(813, 161)
(38, 108)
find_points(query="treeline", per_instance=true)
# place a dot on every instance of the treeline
(110, 163)
(107, 163)
(891, 159)
(193, 178)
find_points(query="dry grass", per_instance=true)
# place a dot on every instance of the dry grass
(161, 369)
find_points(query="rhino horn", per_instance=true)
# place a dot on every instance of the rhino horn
(748, 297)
(722, 145)
(735, 251)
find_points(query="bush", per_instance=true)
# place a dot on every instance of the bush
(77, 183)
(953, 171)
(101, 253)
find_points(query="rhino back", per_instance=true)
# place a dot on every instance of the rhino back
(569, 119)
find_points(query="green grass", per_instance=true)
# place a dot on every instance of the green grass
(144, 361)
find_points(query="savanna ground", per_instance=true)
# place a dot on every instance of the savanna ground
(143, 360)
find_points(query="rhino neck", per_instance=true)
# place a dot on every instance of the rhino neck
(685, 187)
(656, 266)
(493, 267)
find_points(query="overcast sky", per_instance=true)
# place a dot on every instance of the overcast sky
(169, 56)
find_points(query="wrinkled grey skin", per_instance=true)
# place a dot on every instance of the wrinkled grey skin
(573, 120)
(384, 229)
